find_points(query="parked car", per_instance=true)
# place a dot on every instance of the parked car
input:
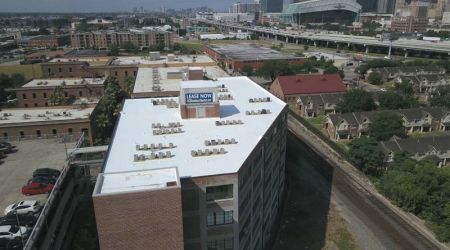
(19, 220)
(46, 172)
(37, 188)
(43, 179)
(6, 146)
(23, 207)
(13, 232)
(7, 244)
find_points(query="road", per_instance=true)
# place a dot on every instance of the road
(376, 223)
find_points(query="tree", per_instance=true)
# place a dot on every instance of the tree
(129, 84)
(107, 111)
(375, 78)
(366, 154)
(441, 97)
(391, 100)
(386, 124)
(247, 70)
(306, 47)
(356, 100)
(13, 81)
(406, 88)
(57, 97)
(272, 69)
(114, 50)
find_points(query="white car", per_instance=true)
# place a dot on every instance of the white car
(12, 232)
(23, 207)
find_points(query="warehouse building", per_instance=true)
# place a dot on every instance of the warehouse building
(38, 92)
(205, 170)
(236, 56)
(51, 122)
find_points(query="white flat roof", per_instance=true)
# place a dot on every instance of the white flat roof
(135, 128)
(27, 115)
(179, 59)
(63, 82)
(138, 180)
(144, 78)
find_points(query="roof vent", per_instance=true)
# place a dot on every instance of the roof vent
(208, 152)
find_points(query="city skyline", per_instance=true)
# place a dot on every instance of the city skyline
(68, 6)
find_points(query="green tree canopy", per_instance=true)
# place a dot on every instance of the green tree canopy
(405, 88)
(13, 81)
(57, 97)
(386, 124)
(356, 100)
(375, 78)
(366, 154)
(247, 70)
(273, 68)
(391, 100)
(441, 97)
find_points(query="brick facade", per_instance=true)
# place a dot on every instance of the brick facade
(191, 111)
(140, 220)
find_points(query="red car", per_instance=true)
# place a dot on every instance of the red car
(37, 188)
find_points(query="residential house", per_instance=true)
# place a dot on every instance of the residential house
(425, 83)
(316, 105)
(437, 147)
(390, 73)
(352, 125)
(290, 88)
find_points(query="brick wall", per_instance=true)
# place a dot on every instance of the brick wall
(140, 220)
(191, 111)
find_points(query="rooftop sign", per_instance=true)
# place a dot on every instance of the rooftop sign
(192, 98)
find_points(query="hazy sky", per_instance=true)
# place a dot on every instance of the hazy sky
(106, 5)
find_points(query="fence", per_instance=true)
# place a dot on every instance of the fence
(52, 201)
(319, 134)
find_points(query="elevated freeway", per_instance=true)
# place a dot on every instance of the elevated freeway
(365, 43)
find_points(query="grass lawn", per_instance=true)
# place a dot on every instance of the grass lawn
(317, 122)
(428, 134)
(30, 71)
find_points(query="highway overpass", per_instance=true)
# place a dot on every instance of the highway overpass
(364, 43)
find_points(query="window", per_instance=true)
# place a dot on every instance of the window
(80, 93)
(34, 95)
(26, 105)
(24, 96)
(70, 70)
(59, 70)
(115, 73)
(5, 135)
(219, 218)
(49, 70)
(219, 192)
(54, 132)
(35, 104)
(66, 94)
(38, 133)
(135, 73)
(46, 104)
(126, 73)
(22, 134)
(44, 95)
(69, 130)
(220, 244)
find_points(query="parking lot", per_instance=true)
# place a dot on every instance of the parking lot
(18, 167)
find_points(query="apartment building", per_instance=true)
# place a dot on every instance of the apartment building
(433, 147)
(290, 88)
(49, 122)
(142, 39)
(198, 171)
(87, 68)
(38, 92)
(390, 73)
(348, 126)
(425, 83)
(318, 104)
(409, 24)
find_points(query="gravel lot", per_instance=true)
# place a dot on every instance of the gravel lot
(18, 167)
